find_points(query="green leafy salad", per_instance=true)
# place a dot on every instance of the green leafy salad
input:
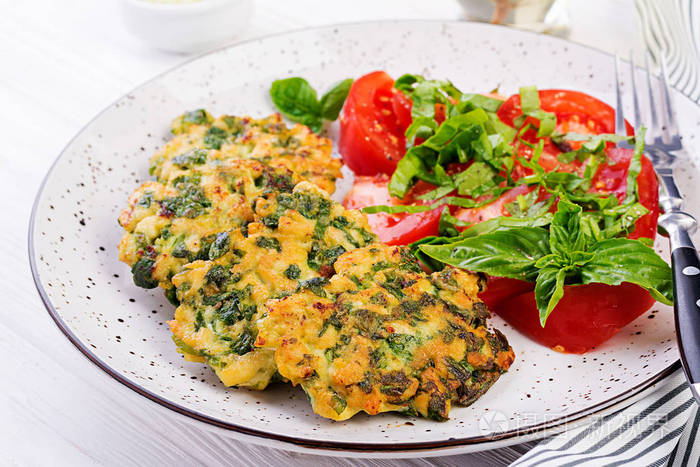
(563, 229)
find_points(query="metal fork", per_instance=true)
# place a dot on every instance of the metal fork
(664, 147)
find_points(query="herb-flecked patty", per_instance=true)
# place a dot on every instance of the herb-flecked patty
(184, 218)
(295, 241)
(381, 335)
(267, 140)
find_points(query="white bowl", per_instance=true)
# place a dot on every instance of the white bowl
(186, 27)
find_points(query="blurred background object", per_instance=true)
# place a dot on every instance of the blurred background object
(186, 26)
(549, 16)
(662, 28)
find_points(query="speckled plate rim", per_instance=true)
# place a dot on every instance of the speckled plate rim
(337, 448)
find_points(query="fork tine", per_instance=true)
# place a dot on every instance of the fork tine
(653, 131)
(619, 113)
(670, 125)
(637, 110)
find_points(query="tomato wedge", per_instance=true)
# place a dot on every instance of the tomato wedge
(576, 112)
(372, 126)
(585, 317)
(393, 229)
(491, 210)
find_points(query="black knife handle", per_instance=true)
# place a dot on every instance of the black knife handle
(686, 291)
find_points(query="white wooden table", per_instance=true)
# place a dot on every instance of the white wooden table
(61, 62)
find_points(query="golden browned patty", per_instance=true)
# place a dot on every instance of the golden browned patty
(293, 243)
(180, 219)
(266, 140)
(381, 335)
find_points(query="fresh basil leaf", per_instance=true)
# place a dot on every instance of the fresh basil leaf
(417, 159)
(549, 289)
(399, 208)
(590, 227)
(457, 201)
(632, 193)
(451, 127)
(565, 235)
(495, 125)
(297, 100)
(530, 105)
(506, 222)
(438, 192)
(591, 169)
(447, 218)
(579, 258)
(473, 177)
(594, 201)
(548, 122)
(405, 82)
(567, 157)
(528, 206)
(463, 146)
(607, 137)
(624, 222)
(510, 252)
(529, 99)
(332, 101)
(552, 260)
(619, 260)
(410, 166)
(433, 264)
(451, 90)
(471, 101)
(425, 95)
(448, 223)
(566, 180)
(421, 127)
(646, 241)
(575, 258)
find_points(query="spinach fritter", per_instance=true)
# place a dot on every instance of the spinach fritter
(184, 218)
(381, 335)
(267, 140)
(293, 243)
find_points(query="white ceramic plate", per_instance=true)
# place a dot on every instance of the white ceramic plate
(74, 236)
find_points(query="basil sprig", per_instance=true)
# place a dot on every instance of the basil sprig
(297, 100)
(567, 253)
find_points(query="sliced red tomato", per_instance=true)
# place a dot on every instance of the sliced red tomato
(372, 126)
(393, 229)
(612, 178)
(585, 317)
(576, 112)
(491, 210)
